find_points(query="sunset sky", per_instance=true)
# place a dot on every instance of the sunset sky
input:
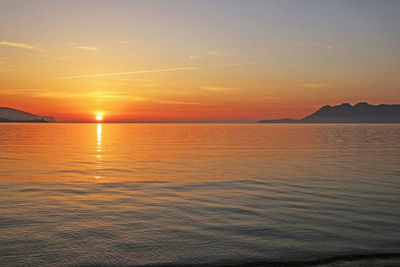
(196, 60)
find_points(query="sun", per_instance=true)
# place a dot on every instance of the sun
(99, 117)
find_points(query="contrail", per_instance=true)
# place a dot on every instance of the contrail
(151, 71)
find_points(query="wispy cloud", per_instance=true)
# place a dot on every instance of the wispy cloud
(125, 73)
(21, 45)
(315, 45)
(104, 95)
(125, 42)
(165, 101)
(316, 85)
(52, 93)
(210, 53)
(173, 102)
(24, 91)
(218, 89)
(153, 71)
(87, 48)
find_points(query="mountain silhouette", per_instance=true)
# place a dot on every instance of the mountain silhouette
(15, 115)
(346, 113)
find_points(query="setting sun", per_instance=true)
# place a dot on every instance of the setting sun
(99, 117)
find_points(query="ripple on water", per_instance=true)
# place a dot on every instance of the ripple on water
(197, 193)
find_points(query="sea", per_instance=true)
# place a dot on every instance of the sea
(201, 194)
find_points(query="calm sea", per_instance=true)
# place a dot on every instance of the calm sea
(196, 193)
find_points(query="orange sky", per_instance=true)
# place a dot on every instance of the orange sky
(196, 61)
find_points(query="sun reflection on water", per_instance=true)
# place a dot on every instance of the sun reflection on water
(99, 138)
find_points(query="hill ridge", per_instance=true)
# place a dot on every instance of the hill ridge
(361, 112)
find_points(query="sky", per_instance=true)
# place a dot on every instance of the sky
(208, 60)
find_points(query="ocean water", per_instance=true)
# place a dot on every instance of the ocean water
(139, 194)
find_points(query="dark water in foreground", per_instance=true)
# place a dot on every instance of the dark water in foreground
(181, 193)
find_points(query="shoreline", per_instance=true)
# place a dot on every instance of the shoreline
(365, 260)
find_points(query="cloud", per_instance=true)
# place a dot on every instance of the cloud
(316, 85)
(87, 48)
(218, 89)
(153, 71)
(210, 53)
(19, 90)
(315, 45)
(178, 102)
(164, 101)
(21, 45)
(125, 73)
(52, 93)
(104, 95)
(25, 91)
(125, 42)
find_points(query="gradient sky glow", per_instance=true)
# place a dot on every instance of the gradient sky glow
(217, 60)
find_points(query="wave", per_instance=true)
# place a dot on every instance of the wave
(353, 260)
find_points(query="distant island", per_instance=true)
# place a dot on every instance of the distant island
(14, 115)
(346, 113)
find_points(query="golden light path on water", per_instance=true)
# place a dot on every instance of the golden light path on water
(99, 138)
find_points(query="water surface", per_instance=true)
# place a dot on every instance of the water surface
(196, 193)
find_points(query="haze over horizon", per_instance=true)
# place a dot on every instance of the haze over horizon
(196, 60)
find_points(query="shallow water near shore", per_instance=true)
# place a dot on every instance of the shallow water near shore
(138, 194)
